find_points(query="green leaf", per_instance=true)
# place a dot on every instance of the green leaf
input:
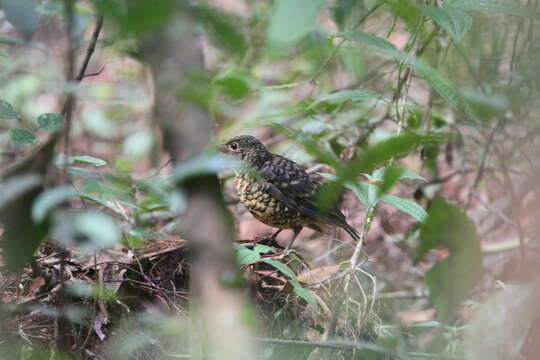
(369, 39)
(366, 192)
(137, 16)
(450, 280)
(6, 111)
(261, 249)
(370, 194)
(292, 19)
(485, 107)
(204, 165)
(48, 200)
(23, 15)
(12, 188)
(405, 9)
(454, 21)
(344, 95)
(444, 87)
(87, 231)
(50, 122)
(509, 7)
(21, 237)
(298, 289)
(223, 27)
(86, 159)
(309, 144)
(22, 137)
(8, 40)
(405, 174)
(246, 256)
(234, 82)
(390, 177)
(373, 157)
(95, 199)
(407, 206)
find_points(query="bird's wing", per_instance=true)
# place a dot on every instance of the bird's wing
(290, 178)
(290, 184)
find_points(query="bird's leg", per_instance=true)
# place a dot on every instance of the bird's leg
(274, 235)
(296, 232)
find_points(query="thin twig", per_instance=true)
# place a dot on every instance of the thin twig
(485, 154)
(342, 41)
(90, 50)
(340, 345)
(69, 104)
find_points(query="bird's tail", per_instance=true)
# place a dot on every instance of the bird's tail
(351, 231)
(334, 217)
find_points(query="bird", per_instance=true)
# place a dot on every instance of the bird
(279, 192)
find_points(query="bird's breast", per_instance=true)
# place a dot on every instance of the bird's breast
(256, 198)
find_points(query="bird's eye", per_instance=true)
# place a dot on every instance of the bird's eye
(233, 146)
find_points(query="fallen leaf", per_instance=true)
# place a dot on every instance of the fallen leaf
(412, 317)
(318, 275)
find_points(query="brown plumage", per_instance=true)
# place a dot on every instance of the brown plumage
(278, 191)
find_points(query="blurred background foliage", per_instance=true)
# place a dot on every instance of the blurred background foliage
(421, 116)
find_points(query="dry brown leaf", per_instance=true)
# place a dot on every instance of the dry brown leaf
(412, 317)
(318, 275)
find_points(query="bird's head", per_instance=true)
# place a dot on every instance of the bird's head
(246, 148)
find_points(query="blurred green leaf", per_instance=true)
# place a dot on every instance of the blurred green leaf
(21, 237)
(405, 9)
(87, 231)
(86, 159)
(234, 82)
(373, 157)
(407, 206)
(390, 177)
(298, 289)
(450, 280)
(485, 107)
(404, 174)
(316, 127)
(12, 188)
(444, 87)
(50, 122)
(23, 15)
(48, 200)
(8, 40)
(204, 165)
(292, 19)
(509, 7)
(224, 27)
(343, 9)
(366, 192)
(311, 145)
(454, 21)
(137, 16)
(369, 39)
(95, 199)
(22, 137)
(344, 95)
(6, 111)
(138, 144)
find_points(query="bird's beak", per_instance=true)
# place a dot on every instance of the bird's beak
(223, 148)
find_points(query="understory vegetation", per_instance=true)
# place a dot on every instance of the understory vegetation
(121, 233)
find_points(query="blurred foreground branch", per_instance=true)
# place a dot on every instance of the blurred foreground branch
(175, 56)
